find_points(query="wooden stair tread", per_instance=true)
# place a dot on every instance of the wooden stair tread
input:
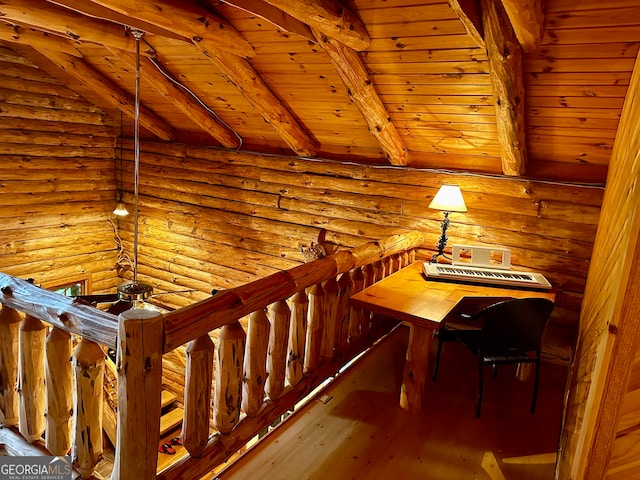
(167, 398)
(170, 420)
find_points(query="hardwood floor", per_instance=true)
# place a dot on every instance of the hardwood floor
(356, 430)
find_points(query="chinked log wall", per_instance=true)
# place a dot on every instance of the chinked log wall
(216, 219)
(57, 185)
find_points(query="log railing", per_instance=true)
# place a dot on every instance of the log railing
(41, 372)
(300, 332)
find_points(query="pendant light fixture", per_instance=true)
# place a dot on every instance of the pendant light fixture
(135, 291)
(121, 209)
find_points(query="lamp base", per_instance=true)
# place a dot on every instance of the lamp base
(435, 256)
(442, 241)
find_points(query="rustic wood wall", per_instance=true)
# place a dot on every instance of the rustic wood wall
(602, 426)
(216, 219)
(57, 185)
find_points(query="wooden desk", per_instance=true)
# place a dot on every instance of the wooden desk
(408, 296)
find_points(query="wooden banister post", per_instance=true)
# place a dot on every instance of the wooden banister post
(393, 263)
(9, 327)
(315, 327)
(227, 392)
(387, 266)
(139, 366)
(297, 337)
(404, 259)
(355, 314)
(197, 395)
(330, 330)
(31, 388)
(371, 275)
(255, 363)
(59, 379)
(379, 271)
(279, 316)
(89, 368)
(346, 287)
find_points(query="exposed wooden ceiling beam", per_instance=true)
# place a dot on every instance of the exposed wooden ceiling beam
(111, 113)
(186, 18)
(527, 20)
(274, 15)
(468, 11)
(330, 18)
(242, 74)
(238, 70)
(72, 25)
(98, 11)
(361, 90)
(181, 100)
(85, 73)
(25, 35)
(505, 64)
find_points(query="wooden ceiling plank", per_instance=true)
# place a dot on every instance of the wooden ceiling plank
(85, 73)
(468, 11)
(207, 30)
(361, 90)
(98, 11)
(505, 62)
(183, 101)
(45, 16)
(527, 20)
(274, 15)
(330, 18)
(242, 74)
(25, 35)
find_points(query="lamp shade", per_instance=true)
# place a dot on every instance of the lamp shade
(448, 199)
(121, 210)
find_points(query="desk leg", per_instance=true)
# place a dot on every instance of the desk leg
(415, 368)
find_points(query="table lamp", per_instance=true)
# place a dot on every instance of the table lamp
(448, 199)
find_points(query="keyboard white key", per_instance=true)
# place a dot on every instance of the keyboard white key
(485, 275)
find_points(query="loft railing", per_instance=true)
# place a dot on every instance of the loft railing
(300, 332)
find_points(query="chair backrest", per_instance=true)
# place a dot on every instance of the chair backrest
(514, 324)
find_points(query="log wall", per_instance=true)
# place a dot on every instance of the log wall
(602, 416)
(217, 219)
(57, 184)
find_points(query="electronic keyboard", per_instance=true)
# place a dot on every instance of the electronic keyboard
(439, 271)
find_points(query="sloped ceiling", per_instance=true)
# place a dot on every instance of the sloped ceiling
(515, 87)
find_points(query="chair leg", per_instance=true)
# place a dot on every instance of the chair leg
(480, 388)
(437, 363)
(536, 381)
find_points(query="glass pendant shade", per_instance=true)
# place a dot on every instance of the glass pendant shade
(121, 209)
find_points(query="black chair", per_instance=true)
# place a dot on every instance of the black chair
(510, 333)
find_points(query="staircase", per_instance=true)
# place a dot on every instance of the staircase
(170, 421)
(172, 414)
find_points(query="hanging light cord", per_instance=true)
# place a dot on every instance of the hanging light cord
(123, 260)
(169, 77)
(119, 180)
(136, 155)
